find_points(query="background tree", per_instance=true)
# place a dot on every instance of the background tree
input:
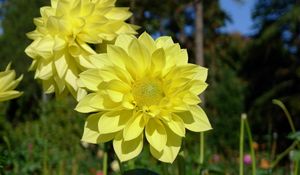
(271, 65)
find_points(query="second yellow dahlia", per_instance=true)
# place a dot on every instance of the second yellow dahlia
(8, 83)
(60, 46)
(143, 89)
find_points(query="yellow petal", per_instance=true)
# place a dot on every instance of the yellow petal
(164, 42)
(146, 40)
(102, 101)
(158, 61)
(170, 151)
(123, 41)
(8, 95)
(127, 150)
(80, 93)
(61, 66)
(191, 99)
(44, 70)
(195, 119)
(176, 125)
(99, 60)
(118, 14)
(5, 78)
(71, 78)
(84, 105)
(117, 55)
(134, 128)
(91, 79)
(156, 134)
(140, 54)
(90, 132)
(111, 122)
(198, 87)
(115, 96)
(12, 84)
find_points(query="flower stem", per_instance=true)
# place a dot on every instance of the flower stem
(243, 118)
(251, 147)
(104, 166)
(120, 166)
(296, 166)
(181, 163)
(284, 153)
(202, 148)
(286, 112)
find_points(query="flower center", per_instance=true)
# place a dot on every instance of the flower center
(147, 92)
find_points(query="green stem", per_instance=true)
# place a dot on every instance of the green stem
(181, 164)
(296, 166)
(284, 153)
(243, 117)
(202, 142)
(120, 166)
(105, 160)
(286, 112)
(251, 147)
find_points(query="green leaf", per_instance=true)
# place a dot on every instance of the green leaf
(294, 136)
(295, 155)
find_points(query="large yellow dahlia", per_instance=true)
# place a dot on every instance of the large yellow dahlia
(8, 83)
(143, 87)
(62, 37)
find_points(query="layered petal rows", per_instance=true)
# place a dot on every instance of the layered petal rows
(143, 89)
(62, 39)
(8, 83)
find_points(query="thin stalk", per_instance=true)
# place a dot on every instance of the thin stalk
(104, 163)
(202, 142)
(284, 153)
(181, 164)
(286, 112)
(296, 166)
(243, 117)
(251, 147)
(201, 158)
(120, 166)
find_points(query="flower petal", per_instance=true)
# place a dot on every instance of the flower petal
(146, 40)
(91, 79)
(170, 151)
(90, 132)
(140, 54)
(195, 119)
(134, 128)
(176, 125)
(117, 55)
(156, 134)
(8, 95)
(123, 41)
(158, 61)
(114, 121)
(84, 105)
(127, 150)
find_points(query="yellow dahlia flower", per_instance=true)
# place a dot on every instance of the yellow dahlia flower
(143, 89)
(8, 84)
(62, 37)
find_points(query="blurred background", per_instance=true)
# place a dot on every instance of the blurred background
(251, 48)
